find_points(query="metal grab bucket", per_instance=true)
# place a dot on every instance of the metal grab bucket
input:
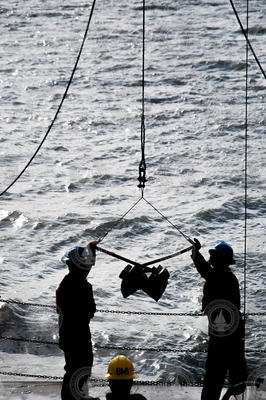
(133, 279)
(152, 281)
(156, 283)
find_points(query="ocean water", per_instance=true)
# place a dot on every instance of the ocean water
(84, 178)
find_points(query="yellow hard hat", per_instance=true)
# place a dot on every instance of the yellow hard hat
(121, 368)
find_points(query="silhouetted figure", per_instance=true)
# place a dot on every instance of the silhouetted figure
(76, 307)
(221, 303)
(120, 377)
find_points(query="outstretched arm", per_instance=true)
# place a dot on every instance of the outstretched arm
(203, 267)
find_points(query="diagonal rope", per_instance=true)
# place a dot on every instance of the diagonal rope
(59, 107)
(119, 220)
(168, 220)
(245, 33)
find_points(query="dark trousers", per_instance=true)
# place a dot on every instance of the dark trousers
(78, 369)
(224, 355)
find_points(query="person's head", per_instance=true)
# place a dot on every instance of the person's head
(120, 375)
(222, 255)
(78, 262)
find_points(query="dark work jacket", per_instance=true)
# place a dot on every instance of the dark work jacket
(76, 307)
(220, 284)
(134, 396)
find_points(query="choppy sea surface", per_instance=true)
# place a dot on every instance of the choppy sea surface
(84, 178)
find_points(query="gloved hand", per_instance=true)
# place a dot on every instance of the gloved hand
(91, 248)
(195, 249)
(93, 245)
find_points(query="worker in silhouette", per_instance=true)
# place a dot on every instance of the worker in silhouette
(120, 377)
(221, 303)
(76, 307)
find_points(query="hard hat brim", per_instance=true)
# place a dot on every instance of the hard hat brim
(120, 378)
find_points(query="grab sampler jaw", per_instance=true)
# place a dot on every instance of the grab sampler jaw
(152, 281)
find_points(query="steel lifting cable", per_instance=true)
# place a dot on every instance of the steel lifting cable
(167, 219)
(142, 165)
(114, 224)
(59, 107)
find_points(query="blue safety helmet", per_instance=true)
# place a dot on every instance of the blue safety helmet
(225, 250)
(78, 256)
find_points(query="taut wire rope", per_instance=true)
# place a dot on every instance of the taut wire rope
(167, 219)
(119, 220)
(59, 107)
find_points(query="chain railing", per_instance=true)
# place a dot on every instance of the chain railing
(118, 348)
(187, 314)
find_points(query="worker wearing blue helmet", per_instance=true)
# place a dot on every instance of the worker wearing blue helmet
(76, 307)
(221, 303)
